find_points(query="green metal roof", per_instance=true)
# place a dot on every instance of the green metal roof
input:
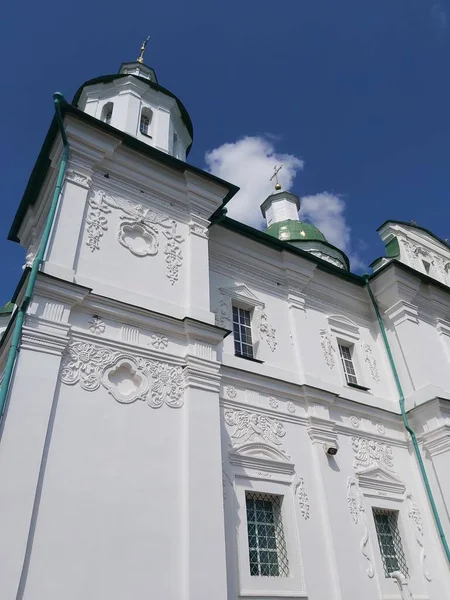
(415, 226)
(7, 308)
(299, 231)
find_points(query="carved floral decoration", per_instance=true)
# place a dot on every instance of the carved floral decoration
(358, 513)
(222, 314)
(159, 341)
(302, 496)
(416, 518)
(327, 348)
(371, 362)
(267, 332)
(126, 377)
(96, 325)
(369, 453)
(140, 230)
(249, 427)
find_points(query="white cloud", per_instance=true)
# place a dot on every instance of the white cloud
(249, 164)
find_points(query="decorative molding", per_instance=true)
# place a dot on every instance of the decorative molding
(53, 311)
(437, 441)
(130, 335)
(267, 332)
(371, 362)
(264, 474)
(322, 431)
(380, 428)
(127, 378)
(416, 518)
(139, 230)
(252, 396)
(369, 453)
(290, 407)
(327, 348)
(302, 496)
(273, 402)
(231, 391)
(358, 513)
(159, 341)
(78, 178)
(97, 325)
(199, 230)
(253, 427)
(32, 249)
(403, 311)
(382, 482)
(244, 294)
(222, 314)
(355, 421)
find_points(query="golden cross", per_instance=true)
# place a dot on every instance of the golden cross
(276, 170)
(141, 53)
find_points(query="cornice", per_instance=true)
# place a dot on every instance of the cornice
(437, 441)
(403, 311)
(322, 431)
(42, 341)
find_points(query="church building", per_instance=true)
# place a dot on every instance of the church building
(193, 409)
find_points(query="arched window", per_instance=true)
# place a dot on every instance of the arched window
(107, 112)
(145, 121)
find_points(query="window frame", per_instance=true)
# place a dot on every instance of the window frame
(107, 110)
(347, 362)
(280, 485)
(399, 549)
(346, 333)
(146, 113)
(241, 309)
(262, 548)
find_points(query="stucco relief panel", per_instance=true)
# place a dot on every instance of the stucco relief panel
(126, 377)
(141, 230)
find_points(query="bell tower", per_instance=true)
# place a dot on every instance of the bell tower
(134, 102)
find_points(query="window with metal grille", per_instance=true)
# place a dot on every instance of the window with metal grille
(242, 328)
(390, 542)
(347, 364)
(266, 543)
(144, 124)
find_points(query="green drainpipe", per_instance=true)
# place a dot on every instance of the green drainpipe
(20, 317)
(406, 424)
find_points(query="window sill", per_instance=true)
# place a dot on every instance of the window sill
(145, 134)
(261, 362)
(358, 387)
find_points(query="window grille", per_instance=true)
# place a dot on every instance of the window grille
(266, 543)
(347, 364)
(144, 124)
(108, 117)
(390, 542)
(242, 332)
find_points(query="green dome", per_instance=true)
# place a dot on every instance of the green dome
(295, 231)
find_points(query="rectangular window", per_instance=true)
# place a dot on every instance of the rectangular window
(347, 364)
(390, 542)
(242, 332)
(266, 543)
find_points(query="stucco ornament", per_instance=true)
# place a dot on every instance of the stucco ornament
(159, 341)
(231, 391)
(96, 325)
(355, 421)
(302, 496)
(222, 313)
(358, 514)
(327, 348)
(126, 377)
(252, 426)
(140, 230)
(291, 407)
(369, 453)
(267, 332)
(371, 362)
(273, 402)
(416, 518)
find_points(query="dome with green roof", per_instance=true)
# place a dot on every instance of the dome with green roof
(290, 231)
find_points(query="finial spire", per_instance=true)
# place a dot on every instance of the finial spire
(141, 53)
(276, 170)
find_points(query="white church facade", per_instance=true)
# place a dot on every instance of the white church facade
(194, 409)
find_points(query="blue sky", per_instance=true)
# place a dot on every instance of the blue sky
(358, 91)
